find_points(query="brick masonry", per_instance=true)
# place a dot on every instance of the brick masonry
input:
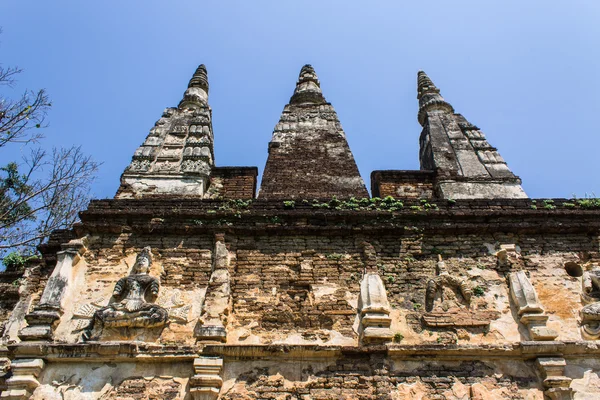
(263, 289)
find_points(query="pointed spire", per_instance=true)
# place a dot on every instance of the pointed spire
(200, 78)
(308, 88)
(466, 166)
(177, 157)
(309, 157)
(429, 97)
(196, 94)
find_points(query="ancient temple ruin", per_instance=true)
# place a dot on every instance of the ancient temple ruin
(442, 283)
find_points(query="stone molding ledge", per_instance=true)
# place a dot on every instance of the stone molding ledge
(141, 352)
(23, 382)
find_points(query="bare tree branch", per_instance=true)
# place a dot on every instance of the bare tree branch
(52, 201)
(44, 191)
(19, 119)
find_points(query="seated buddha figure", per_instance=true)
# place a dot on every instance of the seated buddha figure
(131, 304)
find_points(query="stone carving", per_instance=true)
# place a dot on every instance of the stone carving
(529, 308)
(445, 291)
(169, 153)
(507, 255)
(145, 152)
(214, 316)
(196, 152)
(448, 302)
(179, 130)
(177, 309)
(374, 310)
(198, 140)
(166, 166)
(206, 382)
(45, 317)
(590, 313)
(85, 312)
(139, 166)
(199, 129)
(174, 140)
(197, 166)
(66, 383)
(132, 306)
(24, 379)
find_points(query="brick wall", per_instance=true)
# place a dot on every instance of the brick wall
(235, 182)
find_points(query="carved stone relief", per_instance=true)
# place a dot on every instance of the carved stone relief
(169, 299)
(528, 307)
(174, 140)
(139, 166)
(374, 310)
(132, 305)
(197, 166)
(45, 317)
(448, 302)
(166, 166)
(590, 313)
(508, 254)
(214, 317)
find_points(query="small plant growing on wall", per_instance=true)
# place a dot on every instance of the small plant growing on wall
(478, 291)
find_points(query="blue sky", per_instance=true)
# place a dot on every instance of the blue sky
(526, 72)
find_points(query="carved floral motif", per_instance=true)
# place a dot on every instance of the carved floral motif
(139, 165)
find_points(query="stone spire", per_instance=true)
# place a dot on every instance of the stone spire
(308, 88)
(197, 91)
(465, 164)
(177, 156)
(309, 156)
(429, 97)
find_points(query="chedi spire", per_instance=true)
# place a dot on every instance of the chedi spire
(429, 97)
(177, 156)
(309, 157)
(196, 94)
(308, 87)
(466, 166)
(200, 78)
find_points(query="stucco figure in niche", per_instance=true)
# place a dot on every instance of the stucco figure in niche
(132, 303)
(449, 302)
(590, 314)
(446, 292)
